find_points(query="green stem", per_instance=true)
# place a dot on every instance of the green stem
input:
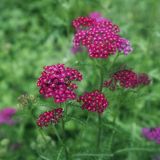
(99, 115)
(135, 149)
(116, 57)
(117, 152)
(57, 134)
(114, 123)
(113, 133)
(34, 120)
(64, 143)
(99, 132)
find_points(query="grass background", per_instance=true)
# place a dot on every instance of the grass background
(36, 33)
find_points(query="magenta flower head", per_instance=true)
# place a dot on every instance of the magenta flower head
(127, 79)
(99, 36)
(94, 101)
(49, 117)
(6, 115)
(56, 82)
(152, 134)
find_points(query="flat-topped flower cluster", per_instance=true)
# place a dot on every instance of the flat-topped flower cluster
(99, 36)
(127, 79)
(56, 82)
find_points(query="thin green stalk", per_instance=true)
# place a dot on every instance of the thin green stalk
(34, 120)
(117, 152)
(66, 110)
(57, 134)
(113, 133)
(136, 149)
(99, 115)
(116, 57)
(114, 123)
(44, 138)
(99, 132)
(64, 143)
(63, 140)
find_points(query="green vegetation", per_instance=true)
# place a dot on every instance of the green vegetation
(35, 33)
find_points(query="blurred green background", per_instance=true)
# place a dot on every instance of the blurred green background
(35, 33)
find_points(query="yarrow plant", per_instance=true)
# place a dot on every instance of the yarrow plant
(101, 38)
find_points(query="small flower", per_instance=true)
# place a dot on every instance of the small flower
(56, 82)
(127, 79)
(99, 35)
(152, 134)
(6, 115)
(94, 101)
(125, 46)
(48, 117)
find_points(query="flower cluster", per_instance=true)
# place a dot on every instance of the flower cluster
(94, 101)
(99, 35)
(49, 117)
(56, 82)
(152, 134)
(6, 115)
(101, 39)
(127, 79)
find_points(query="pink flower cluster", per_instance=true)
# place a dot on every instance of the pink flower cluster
(127, 79)
(56, 82)
(152, 134)
(99, 35)
(101, 39)
(49, 117)
(94, 101)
